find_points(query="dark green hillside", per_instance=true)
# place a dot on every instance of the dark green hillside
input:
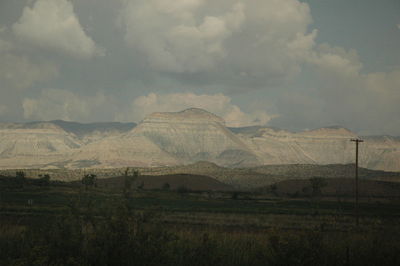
(335, 187)
(172, 182)
(327, 171)
(240, 178)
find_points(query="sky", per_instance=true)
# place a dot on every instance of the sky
(291, 64)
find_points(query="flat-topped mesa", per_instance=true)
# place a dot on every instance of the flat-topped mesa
(334, 132)
(188, 115)
(330, 132)
(194, 135)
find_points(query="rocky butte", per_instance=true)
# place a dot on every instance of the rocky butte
(177, 138)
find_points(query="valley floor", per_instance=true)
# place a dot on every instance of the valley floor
(66, 224)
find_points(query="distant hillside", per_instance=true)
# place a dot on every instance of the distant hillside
(253, 177)
(169, 182)
(335, 187)
(185, 137)
(239, 178)
(327, 171)
(81, 129)
(252, 130)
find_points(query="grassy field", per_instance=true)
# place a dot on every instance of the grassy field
(67, 224)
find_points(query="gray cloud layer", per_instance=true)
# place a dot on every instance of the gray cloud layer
(250, 61)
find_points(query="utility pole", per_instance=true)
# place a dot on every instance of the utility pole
(357, 141)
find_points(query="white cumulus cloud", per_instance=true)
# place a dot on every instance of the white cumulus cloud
(253, 41)
(53, 24)
(62, 104)
(344, 95)
(174, 37)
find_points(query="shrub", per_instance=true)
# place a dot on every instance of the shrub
(44, 180)
(20, 178)
(89, 180)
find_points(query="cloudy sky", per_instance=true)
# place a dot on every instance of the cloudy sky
(293, 64)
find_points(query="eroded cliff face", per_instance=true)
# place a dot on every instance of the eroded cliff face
(32, 146)
(381, 153)
(323, 146)
(194, 135)
(121, 151)
(163, 139)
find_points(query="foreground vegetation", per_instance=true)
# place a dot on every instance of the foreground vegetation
(49, 223)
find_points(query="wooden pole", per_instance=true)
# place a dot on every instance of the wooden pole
(357, 141)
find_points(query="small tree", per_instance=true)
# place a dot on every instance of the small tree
(20, 178)
(89, 180)
(44, 180)
(129, 179)
(20, 175)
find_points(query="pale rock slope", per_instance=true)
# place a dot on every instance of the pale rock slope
(193, 135)
(163, 139)
(91, 132)
(381, 153)
(182, 138)
(330, 145)
(29, 146)
(119, 151)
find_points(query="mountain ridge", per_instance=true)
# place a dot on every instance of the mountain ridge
(184, 137)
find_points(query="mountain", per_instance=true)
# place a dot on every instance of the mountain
(193, 135)
(121, 151)
(51, 144)
(182, 138)
(329, 145)
(171, 139)
(93, 131)
(26, 146)
(381, 152)
(320, 146)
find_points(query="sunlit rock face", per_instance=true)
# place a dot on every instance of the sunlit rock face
(194, 135)
(322, 146)
(381, 152)
(34, 145)
(165, 139)
(121, 151)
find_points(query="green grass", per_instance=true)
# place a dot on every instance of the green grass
(67, 225)
(58, 200)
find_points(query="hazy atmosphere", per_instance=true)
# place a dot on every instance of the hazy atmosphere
(284, 63)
